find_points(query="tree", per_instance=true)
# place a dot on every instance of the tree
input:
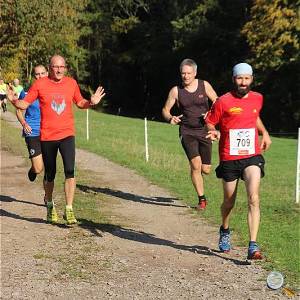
(31, 31)
(273, 35)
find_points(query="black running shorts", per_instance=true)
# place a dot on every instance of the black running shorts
(197, 146)
(33, 145)
(66, 147)
(231, 170)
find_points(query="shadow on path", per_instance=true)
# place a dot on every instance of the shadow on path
(164, 201)
(8, 214)
(4, 198)
(148, 238)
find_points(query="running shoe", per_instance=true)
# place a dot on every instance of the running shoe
(254, 251)
(52, 216)
(69, 216)
(224, 241)
(201, 205)
(31, 175)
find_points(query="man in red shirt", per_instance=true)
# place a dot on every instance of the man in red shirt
(237, 114)
(56, 94)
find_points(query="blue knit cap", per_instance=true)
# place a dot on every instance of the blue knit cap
(242, 69)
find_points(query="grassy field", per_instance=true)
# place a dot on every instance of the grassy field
(122, 140)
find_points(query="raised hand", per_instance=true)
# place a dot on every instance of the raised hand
(99, 94)
(11, 94)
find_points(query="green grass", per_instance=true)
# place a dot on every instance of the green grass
(121, 139)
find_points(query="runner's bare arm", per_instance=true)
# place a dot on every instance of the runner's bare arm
(213, 134)
(95, 99)
(166, 111)
(13, 98)
(210, 92)
(265, 142)
(20, 117)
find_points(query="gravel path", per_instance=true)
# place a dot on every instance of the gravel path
(155, 249)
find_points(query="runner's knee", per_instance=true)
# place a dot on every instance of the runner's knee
(69, 173)
(49, 177)
(195, 165)
(38, 169)
(206, 169)
(253, 200)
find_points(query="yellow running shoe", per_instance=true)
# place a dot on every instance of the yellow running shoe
(52, 216)
(69, 216)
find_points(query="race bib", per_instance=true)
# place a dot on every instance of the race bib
(242, 141)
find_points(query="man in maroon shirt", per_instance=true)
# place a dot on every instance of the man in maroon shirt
(237, 114)
(192, 99)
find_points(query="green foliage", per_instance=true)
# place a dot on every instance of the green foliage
(273, 36)
(134, 47)
(35, 30)
(186, 26)
(273, 33)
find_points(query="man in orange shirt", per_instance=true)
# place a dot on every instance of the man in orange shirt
(56, 94)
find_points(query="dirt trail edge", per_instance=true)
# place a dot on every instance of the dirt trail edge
(160, 250)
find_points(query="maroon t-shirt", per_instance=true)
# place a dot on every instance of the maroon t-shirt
(193, 106)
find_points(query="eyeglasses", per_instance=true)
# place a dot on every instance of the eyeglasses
(39, 74)
(58, 67)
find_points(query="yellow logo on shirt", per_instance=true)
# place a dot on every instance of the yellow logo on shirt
(254, 111)
(235, 110)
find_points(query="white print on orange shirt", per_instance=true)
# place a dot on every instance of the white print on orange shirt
(58, 103)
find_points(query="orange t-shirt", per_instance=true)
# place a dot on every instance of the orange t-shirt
(56, 98)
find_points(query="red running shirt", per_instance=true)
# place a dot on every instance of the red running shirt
(56, 98)
(237, 120)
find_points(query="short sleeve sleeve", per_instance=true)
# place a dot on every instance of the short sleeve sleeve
(77, 94)
(32, 94)
(214, 115)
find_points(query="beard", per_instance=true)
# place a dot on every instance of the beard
(242, 91)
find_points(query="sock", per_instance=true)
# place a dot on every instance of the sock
(69, 207)
(201, 197)
(224, 230)
(50, 204)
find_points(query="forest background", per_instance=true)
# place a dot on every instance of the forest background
(134, 48)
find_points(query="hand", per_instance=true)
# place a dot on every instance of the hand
(204, 115)
(99, 94)
(214, 135)
(265, 141)
(11, 94)
(175, 120)
(27, 128)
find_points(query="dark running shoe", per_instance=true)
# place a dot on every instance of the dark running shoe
(254, 251)
(31, 175)
(224, 241)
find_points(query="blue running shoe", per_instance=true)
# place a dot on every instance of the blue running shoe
(254, 251)
(224, 241)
